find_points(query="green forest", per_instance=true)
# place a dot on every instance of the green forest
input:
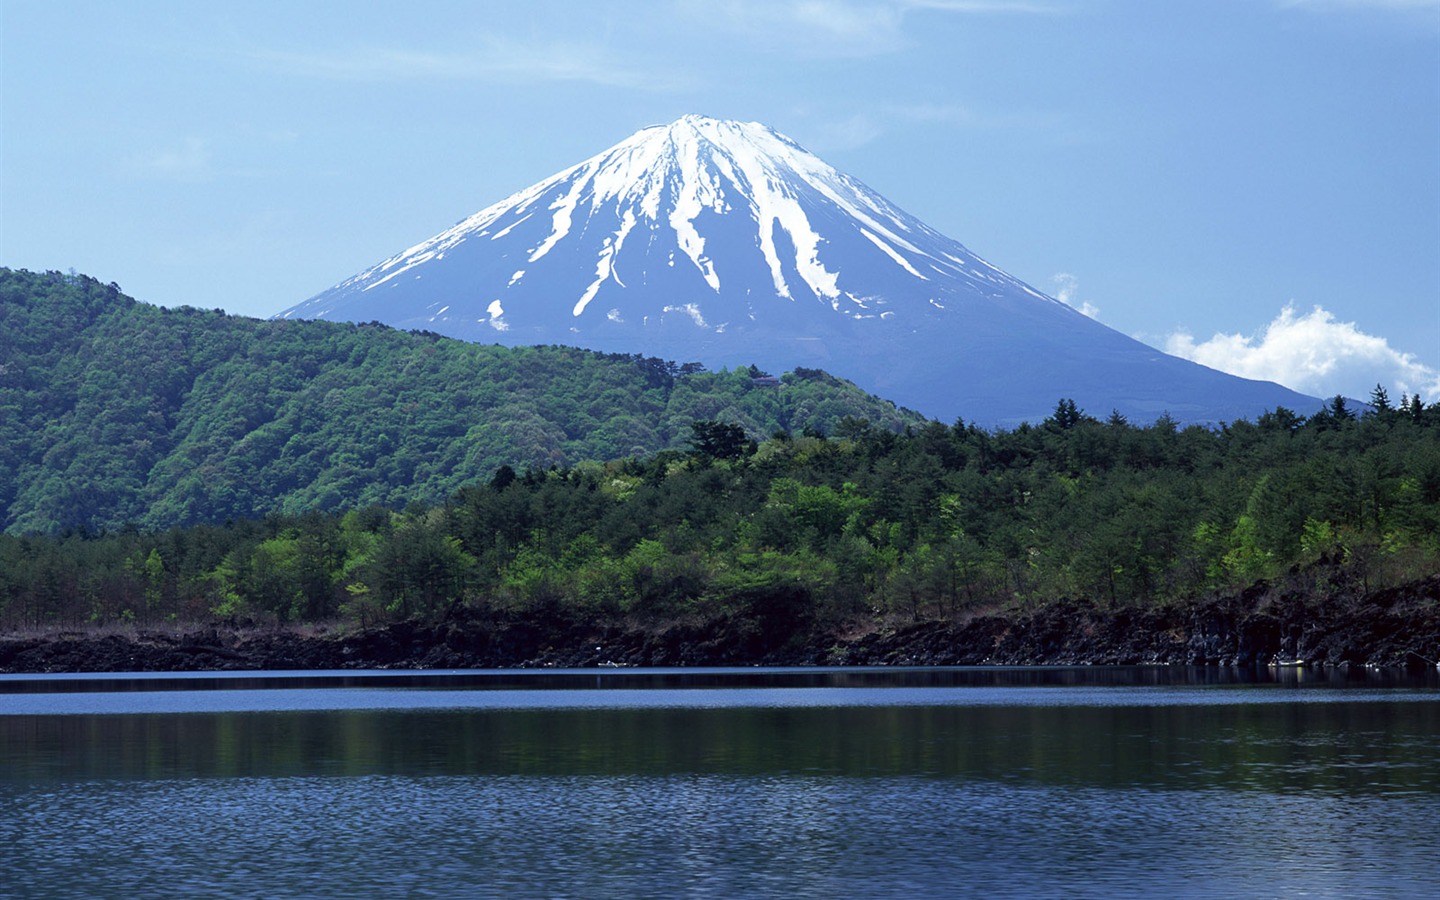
(862, 523)
(116, 413)
(188, 466)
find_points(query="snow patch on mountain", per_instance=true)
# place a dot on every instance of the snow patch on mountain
(729, 243)
(605, 266)
(890, 252)
(693, 311)
(496, 313)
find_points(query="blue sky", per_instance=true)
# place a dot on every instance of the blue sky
(1253, 183)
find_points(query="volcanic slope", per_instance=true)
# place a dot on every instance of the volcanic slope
(728, 243)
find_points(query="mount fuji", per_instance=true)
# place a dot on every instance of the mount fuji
(729, 244)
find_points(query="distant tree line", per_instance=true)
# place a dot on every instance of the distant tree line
(857, 522)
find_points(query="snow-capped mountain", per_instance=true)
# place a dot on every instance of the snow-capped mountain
(729, 244)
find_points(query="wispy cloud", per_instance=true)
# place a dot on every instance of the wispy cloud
(982, 6)
(1060, 126)
(491, 58)
(239, 152)
(808, 27)
(1314, 354)
(187, 161)
(1067, 289)
(845, 133)
(840, 28)
(1381, 5)
(1411, 14)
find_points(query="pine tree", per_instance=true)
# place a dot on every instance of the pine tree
(1380, 400)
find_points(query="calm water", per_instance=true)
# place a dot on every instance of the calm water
(850, 783)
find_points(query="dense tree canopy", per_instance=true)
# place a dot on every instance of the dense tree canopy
(114, 412)
(186, 465)
(934, 521)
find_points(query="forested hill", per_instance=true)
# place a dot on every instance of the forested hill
(1281, 529)
(116, 412)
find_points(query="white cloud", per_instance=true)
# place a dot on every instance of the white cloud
(1313, 354)
(1066, 287)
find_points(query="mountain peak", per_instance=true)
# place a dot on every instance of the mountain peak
(681, 183)
(709, 126)
(728, 243)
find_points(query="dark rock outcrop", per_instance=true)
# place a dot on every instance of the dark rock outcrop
(1267, 624)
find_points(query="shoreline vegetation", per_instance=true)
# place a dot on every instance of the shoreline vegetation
(1291, 540)
(1288, 623)
(1296, 538)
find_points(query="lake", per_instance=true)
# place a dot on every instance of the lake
(722, 783)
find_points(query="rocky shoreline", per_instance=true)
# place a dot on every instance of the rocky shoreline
(1261, 626)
